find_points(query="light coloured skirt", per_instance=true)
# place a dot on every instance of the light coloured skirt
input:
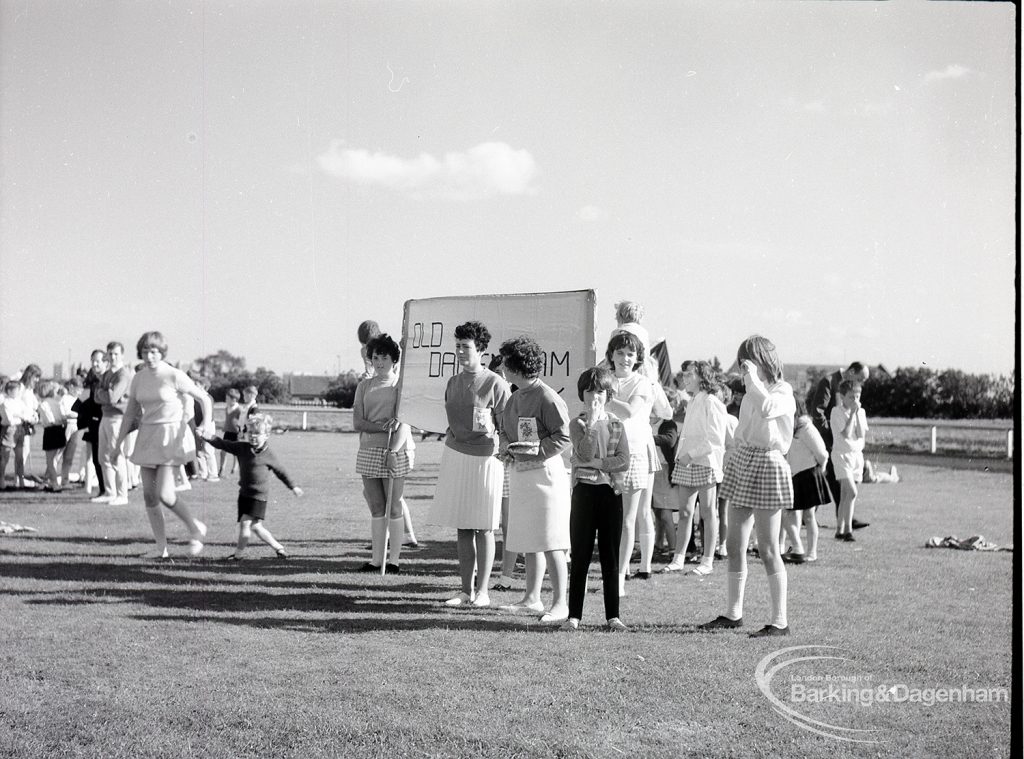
(664, 496)
(538, 508)
(168, 444)
(372, 462)
(757, 478)
(468, 494)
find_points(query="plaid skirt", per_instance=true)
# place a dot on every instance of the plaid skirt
(757, 478)
(638, 474)
(694, 476)
(506, 488)
(372, 462)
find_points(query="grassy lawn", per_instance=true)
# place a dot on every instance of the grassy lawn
(110, 655)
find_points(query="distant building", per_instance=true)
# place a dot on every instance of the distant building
(307, 388)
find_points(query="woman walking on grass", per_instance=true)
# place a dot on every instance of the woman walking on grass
(469, 481)
(165, 441)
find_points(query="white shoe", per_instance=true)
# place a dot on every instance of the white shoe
(553, 619)
(571, 624)
(463, 599)
(482, 600)
(195, 547)
(673, 566)
(120, 501)
(523, 608)
(200, 527)
(101, 499)
(186, 485)
(156, 554)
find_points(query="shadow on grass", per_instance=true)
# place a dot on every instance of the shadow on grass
(354, 625)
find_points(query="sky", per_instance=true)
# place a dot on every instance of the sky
(260, 177)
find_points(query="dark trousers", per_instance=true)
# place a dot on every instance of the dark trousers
(94, 433)
(833, 483)
(596, 509)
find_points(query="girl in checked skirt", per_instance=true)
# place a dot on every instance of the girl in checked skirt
(385, 452)
(698, 463)
(758, 482)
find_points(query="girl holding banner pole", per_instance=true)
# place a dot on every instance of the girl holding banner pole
(385, 454)
(469, 482)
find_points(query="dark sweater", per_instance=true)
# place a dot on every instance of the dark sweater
(254, 467)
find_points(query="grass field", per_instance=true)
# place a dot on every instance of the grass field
(111, 655)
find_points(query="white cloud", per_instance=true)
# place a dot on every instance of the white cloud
(490, 168)
(952, 71)
(589, 213)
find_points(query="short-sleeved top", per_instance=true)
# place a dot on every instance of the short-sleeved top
(637, 427)
(838, 420)
(157, 393)
(474, 402)
(550, 417)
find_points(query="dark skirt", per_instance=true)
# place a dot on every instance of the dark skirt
(810, 489)
(54, 437)
(251, 507)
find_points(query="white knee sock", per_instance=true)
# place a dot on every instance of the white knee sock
(378, 529)
(777, 587)
(736, 583)
(396, 530)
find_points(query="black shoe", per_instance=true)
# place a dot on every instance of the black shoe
(770, 631)
(282, 554)
(721, 623)
(793, 558)
(368, 567)
(858, 525)
(628, 577)
(848, 538)
(643, 575)
(411, 545)
(391, 569)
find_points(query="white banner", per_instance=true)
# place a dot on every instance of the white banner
(562, 323)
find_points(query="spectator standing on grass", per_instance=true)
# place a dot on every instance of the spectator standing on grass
(849, 424)
(165, 442)
(112, 395)
(631, 403)
(758, 482)
(366, 331)
(90, 413)
(255, 463)
(469, 481)
(232, 425)
(807, 458)
(250, 407)
(23, 435)
(665, 495)
(533, 434)
(386, 451)
(68, 403)
(600, 449)
(54, 424)
(826, 395)
(14, 414)
(698, 465)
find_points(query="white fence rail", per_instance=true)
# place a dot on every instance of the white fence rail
(934, 430)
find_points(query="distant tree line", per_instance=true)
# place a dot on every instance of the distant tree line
(923, 393)
(915, 393)
(225, 370)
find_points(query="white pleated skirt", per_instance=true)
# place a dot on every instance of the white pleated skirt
(538, 508)
(468, 494)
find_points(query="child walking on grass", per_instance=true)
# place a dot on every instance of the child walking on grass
(758, 482)
(849, 424)
(807, 458)
(599, 448)
(255, 463)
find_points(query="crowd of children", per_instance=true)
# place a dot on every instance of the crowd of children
(649, 464)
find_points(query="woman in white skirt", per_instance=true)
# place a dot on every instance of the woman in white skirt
(165, 442)
(469, 482)
(385, 452)
(534, 432)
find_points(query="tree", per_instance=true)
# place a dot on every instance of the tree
(342, 390)
(220, 364)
